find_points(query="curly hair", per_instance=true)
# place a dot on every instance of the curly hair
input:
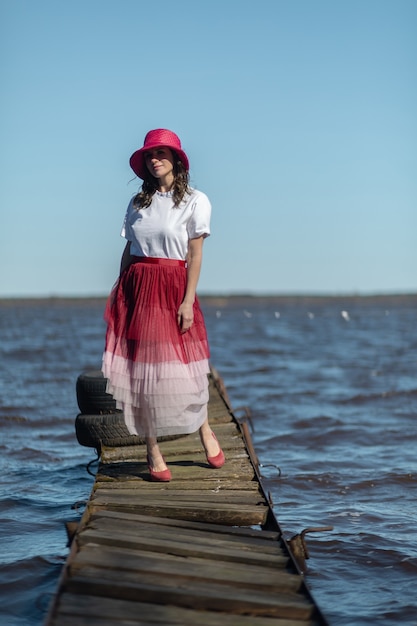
(180, 188)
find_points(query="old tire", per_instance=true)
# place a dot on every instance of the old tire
(100, 422)
(108, 429)
(95, 431)
(91, 394)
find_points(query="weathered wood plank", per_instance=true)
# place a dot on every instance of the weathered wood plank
(137, 499)
(239, 516)
(233, 470)
(219, 417)
(198, 537)
(191, 568)
(227, 433)
(164, 620)
(109, 611)
(151, 542)
(223, 430)
(191, 454)
(195, 496)
(170, 525)
(218, 485)
(197, 595)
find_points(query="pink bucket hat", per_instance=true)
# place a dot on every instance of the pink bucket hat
(153, 139)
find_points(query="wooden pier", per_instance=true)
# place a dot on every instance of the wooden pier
(204, 549)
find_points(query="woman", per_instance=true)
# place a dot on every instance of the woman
(156, 355)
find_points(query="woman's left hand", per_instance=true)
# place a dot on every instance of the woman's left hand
(185, 316)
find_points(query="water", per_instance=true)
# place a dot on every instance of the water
(334, 403)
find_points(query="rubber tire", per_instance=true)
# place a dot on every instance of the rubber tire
(110, 430)
(92, 398)
(100, 422)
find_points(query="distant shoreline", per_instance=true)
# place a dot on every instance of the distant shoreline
(229, 299)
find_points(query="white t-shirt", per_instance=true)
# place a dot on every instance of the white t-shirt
(163, 230)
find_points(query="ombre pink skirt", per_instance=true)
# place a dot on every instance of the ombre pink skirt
(156, 374)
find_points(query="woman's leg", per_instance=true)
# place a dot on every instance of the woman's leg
(210, 443)
(155, 458)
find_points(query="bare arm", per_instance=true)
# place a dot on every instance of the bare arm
(126, 258)
(194, 259)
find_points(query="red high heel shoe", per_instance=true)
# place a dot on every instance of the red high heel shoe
(216, 461)
(163, 476)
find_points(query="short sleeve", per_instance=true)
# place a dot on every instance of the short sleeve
(199, 222)
(126, 229)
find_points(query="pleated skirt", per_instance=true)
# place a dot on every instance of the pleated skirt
(156, 374)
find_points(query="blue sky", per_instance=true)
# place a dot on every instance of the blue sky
(298, 116)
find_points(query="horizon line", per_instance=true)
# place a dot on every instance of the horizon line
(228, 295)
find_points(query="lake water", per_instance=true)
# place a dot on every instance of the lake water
(332, 387)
